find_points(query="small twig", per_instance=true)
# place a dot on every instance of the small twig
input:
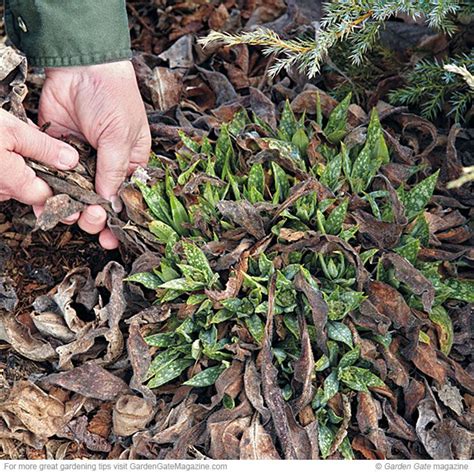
(138, 17)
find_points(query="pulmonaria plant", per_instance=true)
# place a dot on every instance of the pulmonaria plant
(295, 228)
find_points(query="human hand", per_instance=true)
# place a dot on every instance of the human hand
(19, 139)
(102, 105)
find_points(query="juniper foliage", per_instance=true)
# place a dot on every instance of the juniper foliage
(356, 23)
(433, 84)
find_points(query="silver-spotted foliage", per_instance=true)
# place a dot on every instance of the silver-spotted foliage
(299, 207)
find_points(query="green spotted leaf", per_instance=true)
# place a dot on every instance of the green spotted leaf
(256, 327)
(205, 378)
(358, 378)
(409, 250)
(288, 123)
(326, 439)
(346, 449)
(287, 150)
(421, 230)
(423, 337)
(239, 122)
(182, 284)
(350, 358)
(339, 332)
(169, 371)
(256, 183)
(444, 328)
(196, 258)
(335, 129)
(336, 218)
(373, 155)
(385, 340)
(166, 272)
(341, 302)
(196, 299)
(188, 142)
(164, 233)
(462, 290)
(220, 316)
(322, 363)
(301, 140)
(361, 170)
(163, 339)
(228, 402)
(192, 273)
(281, 183)
(184, 177)
(179, 214)
(331, 174)
(162, 359)
(154, 198)
(330, 388)
(416, 199)
(147, 279)
(224, 151)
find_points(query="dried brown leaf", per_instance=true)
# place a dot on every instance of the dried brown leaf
(89, 380)
(256, 443)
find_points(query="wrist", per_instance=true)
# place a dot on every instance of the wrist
(112, 67)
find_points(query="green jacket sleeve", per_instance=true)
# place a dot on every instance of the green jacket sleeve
(58, 33)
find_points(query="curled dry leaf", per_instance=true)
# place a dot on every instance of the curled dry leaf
(51, 324)
(225, 437)
(413, 278)
(40, 413)
(368, 415)
(413, 394)
(8, 297)
(256, 443)
(319, 310)
(375, 233)
(165, 88)
(234, 283)
(293, 438)
(442, 438)
(77, 430)
(263, 107)
(89, 380)
(397, 425)
(252, 386)
(244, 214)
(391, 303)
(303, 370)
(140, 359)
(22, 341)
(131, 414)
(13, 70)
(56, 209)
(426, 360)
(228, 383)
(451, 397)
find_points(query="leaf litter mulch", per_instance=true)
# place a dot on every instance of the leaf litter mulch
(294, 278)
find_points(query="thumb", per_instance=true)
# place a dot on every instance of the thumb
(112, 167)
(30, 142)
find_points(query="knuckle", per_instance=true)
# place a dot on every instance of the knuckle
(11, 136)
(24, 179)
(115, 174)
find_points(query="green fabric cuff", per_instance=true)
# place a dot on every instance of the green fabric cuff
(59, 33)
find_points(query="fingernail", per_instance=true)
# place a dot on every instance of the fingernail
(116, 203)
(67, 157)
(93, 215)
